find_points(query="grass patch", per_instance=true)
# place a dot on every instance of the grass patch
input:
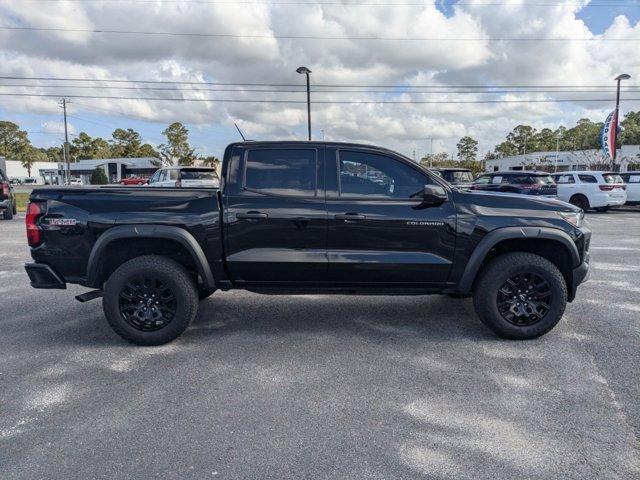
(21, 200)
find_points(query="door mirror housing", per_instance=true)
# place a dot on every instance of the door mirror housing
(434, 195)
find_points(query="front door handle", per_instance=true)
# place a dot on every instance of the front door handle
(252, 215)
(349, 216)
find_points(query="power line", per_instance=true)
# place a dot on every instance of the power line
(354, 4)
(318, 37)
(182, 82)
(602, 89)
(353, 102)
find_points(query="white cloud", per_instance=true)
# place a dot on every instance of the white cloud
(273, 60)
(58, 128)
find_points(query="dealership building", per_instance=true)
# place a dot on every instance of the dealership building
(41, 172)
(626, 157)
(114, 168)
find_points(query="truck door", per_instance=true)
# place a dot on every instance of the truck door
(380, 233)
(275, 219)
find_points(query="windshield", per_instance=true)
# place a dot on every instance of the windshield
(612, 178)
(198, 175)
(460, 177)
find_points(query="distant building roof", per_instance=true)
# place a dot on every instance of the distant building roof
(137, 162)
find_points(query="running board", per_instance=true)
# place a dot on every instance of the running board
(85, 297)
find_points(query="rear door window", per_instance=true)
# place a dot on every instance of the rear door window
(281, 172)
(587, 179)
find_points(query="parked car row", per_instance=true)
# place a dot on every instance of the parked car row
(8, 204)
(584, 189)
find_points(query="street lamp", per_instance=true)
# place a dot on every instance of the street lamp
(619, 78)
(306, 71)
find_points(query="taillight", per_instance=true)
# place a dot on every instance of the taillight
(606, 188)
(34, 234)
(5, 189)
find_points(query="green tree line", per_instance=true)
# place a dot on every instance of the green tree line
(124, 143)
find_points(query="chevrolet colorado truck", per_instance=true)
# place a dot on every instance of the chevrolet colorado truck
(308, 217)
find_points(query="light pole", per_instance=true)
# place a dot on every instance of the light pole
(306, 71)
(619, 78)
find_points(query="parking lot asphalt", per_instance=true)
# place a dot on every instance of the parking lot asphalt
(324, 386)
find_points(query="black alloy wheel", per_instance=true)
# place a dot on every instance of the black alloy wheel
(147, 304)
(524, 299)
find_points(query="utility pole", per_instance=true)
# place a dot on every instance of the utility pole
(306, 71)
(557, 151)
(618, 79)
(431, 154)
(65, 149)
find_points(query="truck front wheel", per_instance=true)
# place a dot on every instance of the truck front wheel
(150, 300)
(520, 296)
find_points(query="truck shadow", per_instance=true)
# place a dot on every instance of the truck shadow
(427, 317)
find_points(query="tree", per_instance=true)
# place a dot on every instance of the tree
(211, 161)
(125, 143)
(521, 137)
(467, 148)
(505, 149)
(84, 147)
(98, 177)
(147, 150)
(31, 156)
(177, 149)
(630, 134)
(14, 143)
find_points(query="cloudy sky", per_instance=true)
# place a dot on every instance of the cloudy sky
(405, 46)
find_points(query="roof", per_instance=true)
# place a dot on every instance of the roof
(518, 172)
(450, 169)
(313, 143)
(589, 172)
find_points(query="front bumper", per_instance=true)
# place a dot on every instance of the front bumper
(43, 276)
(5, 204)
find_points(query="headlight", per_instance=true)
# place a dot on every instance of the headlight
(574, 218)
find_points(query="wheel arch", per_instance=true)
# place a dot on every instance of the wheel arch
(98, 268)
(550, 243)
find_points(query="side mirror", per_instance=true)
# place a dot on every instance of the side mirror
(434, 195)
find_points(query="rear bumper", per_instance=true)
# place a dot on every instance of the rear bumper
(43, 276)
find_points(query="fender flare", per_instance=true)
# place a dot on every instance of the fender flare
(494, 237)
(177, 234)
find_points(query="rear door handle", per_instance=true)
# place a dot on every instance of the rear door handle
(252, 215)
(349, 216)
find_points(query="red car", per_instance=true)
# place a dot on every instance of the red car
(133, 181)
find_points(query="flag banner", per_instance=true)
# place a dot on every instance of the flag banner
(608, 135)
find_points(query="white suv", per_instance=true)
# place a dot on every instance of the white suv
(185, 177)
(633, 187)
(586, 189)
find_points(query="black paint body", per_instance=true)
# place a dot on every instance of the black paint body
(323, 241)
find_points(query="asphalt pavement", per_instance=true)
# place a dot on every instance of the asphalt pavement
(322, 387)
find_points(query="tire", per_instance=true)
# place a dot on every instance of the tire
(493, 306)
(580, 201)
(8, 213)
(162, 320)
(15, 207)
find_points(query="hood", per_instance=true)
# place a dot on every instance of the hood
(515, 201)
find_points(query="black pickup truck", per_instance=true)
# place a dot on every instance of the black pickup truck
(308, 217)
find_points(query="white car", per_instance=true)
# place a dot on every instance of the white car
(75, 181)
(587, 189)
(633, 187)
(185, 177)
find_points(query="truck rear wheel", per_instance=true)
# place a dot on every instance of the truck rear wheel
(520, 296)
(150, 300)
